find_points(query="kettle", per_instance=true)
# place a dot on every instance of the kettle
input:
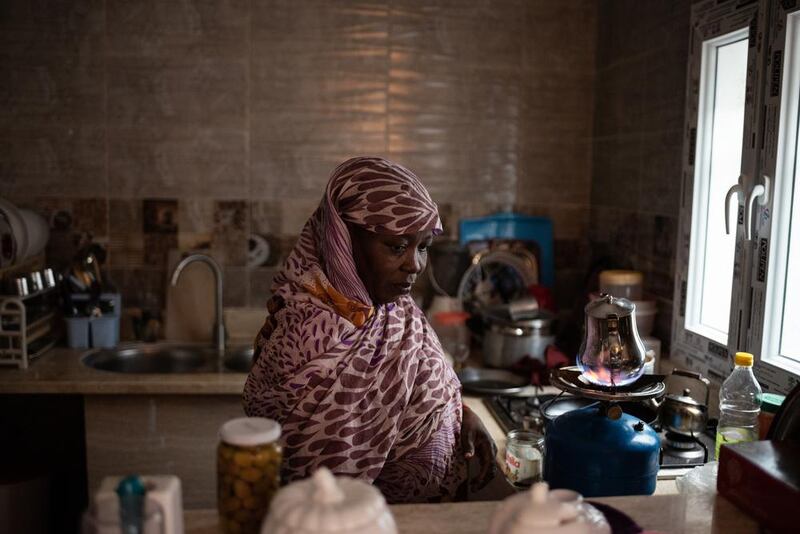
(681, 413)
(612, 353)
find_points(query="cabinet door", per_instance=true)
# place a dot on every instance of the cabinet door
(720, 156)
(773, 319)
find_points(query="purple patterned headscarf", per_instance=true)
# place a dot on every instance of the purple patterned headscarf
(363, 390)
(379, 196)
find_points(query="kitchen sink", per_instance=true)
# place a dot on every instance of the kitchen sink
(164, 358)
(238, 360)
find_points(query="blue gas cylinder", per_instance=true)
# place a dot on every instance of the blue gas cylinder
(587, 451)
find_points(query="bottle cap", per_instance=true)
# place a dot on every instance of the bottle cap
(745, 359)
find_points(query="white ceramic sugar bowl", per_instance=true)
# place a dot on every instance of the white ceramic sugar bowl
(540, 511)
(324, 504)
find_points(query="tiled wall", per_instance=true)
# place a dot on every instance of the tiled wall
(641, 71)
(155, 125)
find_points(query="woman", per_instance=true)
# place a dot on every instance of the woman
(347, 363)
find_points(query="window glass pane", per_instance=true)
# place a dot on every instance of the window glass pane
(720, 129)
(790, 331)
(790, 335)
(726, 158)
(781, 321)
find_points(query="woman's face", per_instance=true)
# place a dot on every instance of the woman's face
(389, 264)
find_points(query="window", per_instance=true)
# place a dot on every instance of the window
(718, 161)
(776, 302)
(741, 290)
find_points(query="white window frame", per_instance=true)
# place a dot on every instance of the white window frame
(773, 220)
(698, 256)
(711, 22)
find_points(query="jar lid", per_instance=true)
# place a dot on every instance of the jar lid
(607, 305)
(771, 402)
(250, 431)
(620, 277)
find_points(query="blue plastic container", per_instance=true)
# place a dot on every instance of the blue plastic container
(514, 226)
(597, 456)
(97, 332)
(104, 331)
(78, 332)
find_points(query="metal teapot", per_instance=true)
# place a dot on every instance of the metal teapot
(612, 353)
(681, 413)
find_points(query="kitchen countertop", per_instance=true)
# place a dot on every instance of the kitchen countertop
(60, 371)
(673, 514)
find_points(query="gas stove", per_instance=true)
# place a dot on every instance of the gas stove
(677, 451)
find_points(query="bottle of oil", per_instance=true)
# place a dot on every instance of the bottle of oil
(739, 404)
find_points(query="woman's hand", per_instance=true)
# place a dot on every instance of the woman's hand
(476, 441)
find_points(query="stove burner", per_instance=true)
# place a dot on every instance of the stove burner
(571, 380)
(685, 447)
(679, 441)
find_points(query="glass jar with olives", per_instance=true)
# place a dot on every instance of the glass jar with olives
(248, 472)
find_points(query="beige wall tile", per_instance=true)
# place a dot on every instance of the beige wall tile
(491, 103)
(164, 162)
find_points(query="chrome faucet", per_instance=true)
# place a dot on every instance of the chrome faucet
(219, 324)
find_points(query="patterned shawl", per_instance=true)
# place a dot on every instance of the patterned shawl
(363, 390)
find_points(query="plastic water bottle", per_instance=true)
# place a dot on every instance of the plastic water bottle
(739, 404)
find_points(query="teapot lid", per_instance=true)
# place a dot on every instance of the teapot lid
(537, 511)
(325, 504)
(685, 398)
(607, 305)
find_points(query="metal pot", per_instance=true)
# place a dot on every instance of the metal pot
(681, 413)
(507, 341)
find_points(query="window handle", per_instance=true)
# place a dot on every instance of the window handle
(759, 192)
(737, 188)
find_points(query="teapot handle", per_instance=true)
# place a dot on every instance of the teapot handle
(697, 376)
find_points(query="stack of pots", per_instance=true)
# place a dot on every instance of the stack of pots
(513, 333)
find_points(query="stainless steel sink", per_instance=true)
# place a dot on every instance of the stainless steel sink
(238, 360)
(167, 358)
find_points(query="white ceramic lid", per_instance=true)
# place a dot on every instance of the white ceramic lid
(250, 431)
(542, 512)
(539, 511)
(327, 504)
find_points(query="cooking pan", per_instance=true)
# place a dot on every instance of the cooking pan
(491, 381)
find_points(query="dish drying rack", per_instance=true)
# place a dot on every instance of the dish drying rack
(27, 326)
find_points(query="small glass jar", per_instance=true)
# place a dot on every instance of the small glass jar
(248, 473)
(524, 457)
